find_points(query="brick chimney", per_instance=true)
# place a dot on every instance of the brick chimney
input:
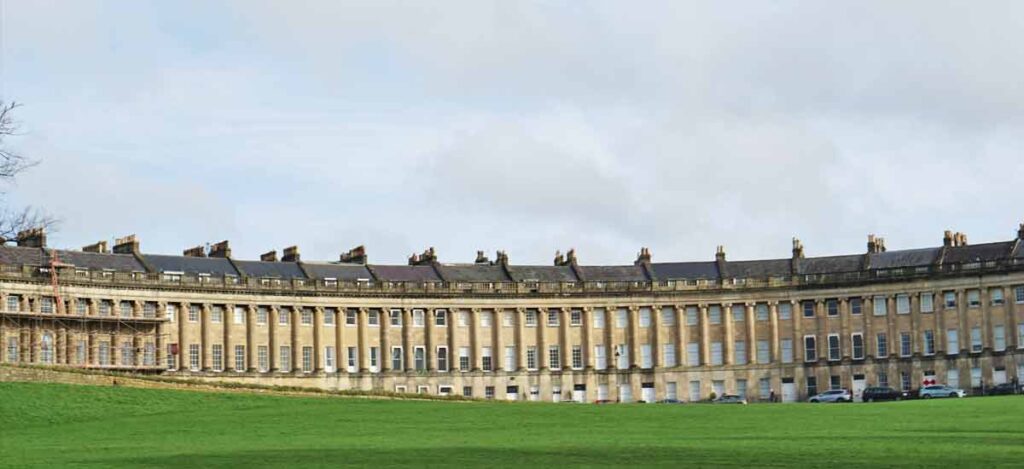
(290, 254)
(126, 245)
(269, 256)
(356, 255)
(99, 247)
(221, 249)
(198, 251)
(32, 238)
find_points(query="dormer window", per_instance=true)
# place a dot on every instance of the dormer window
(204, 278)
(171, 276)
(330, 282)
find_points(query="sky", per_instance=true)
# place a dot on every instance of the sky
(524, 126)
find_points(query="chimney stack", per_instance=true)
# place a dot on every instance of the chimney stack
(798, 249)
(356, 255)
(126, 245)
(269, 256)
(559, 258)
(1020, 232)
(947, 239)
(197, 251)
(481, 259)
(290, 254)
(644, 257)
(720, 253)
(100, 247)
(32, 238)
(501, 257)
(428, 257)
(875, 244)
(220, 249)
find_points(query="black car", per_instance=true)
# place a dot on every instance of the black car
(882, 394)
(1000, 389)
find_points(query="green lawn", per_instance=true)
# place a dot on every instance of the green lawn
(54, 425)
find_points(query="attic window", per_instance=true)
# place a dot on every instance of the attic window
(172, 276)
(81, 272)
(204, 278)
(231, 279)
(331, 282)
(107, 273)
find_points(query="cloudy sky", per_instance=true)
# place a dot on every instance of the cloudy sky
(530, 127)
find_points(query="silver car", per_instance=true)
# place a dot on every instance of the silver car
(833, 395)
(940, 390)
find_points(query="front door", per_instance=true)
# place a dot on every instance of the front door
(858, 388)
(789, 392)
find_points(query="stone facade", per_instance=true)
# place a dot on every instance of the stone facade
(957, 318)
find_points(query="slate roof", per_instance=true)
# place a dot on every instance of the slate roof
(542, 273)
(978, 252)
(191, 265)
(283, 270)
(338, 271)
(831, 264)
(474, 273)
(405, 273)
(23, 256)
(624, 273)
(903, 258)
(759, 269)
(685, 270)
(97, 261)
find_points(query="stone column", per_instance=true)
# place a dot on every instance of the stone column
(773, 319)
(474, 339)
(204, 351)
(362, 351)
(729, 341)
(428, 334)
(542, 353)
(520, 321)
(654, 334)
(295, 323)
(385, 340)
(274, 352)
(683, 333)
(250, 346)
(586, 315)
(1009, 299)
(633, 322)
(564, 346)
(318, 339)
(497, 352)
(453, 342)
(705, 336)
(229, 346)
(407, 339)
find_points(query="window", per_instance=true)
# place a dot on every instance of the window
(714, 314)
(80, 354)
(373, 318)
(374, 359)
(600, 357)
(553, 317)
(263, 358)
(953, 378)
(810, 349)
(741, 388)
(902, 303)
(976, 345)
(996, 295)
(786, 310)
(622, 357)
(575, 318)
(352, 359)
(949, 299)
(738, 312)
(1018, 293)
(764, 388)
(486, 318)
(577, 357)
(692, 313)
(217, 352)
(418, 319)
(216, 314)
(695, 395)
(599, 318)
(671, 391)
(881, 345)
(510, 358)
(693, 354)
(739, 352)
(284, 358)
(646, 358)
(668, 316)
(419, 355)
(716, 353)
(193, 356)
(105, 307)
(352, 317)
(13, 303)
(488, 392)
(881, 308)
(442, 358)
(82, 308)
(998, 338)
(46, 349)
(763, 352)
(834, 353)
(975, 377)
(261, 315)
(239, 315)
(904, 381)
(832, 306)
(786, 347)
(808, 309)
(621, 318)
(929, 342)
(306, 317)
(668, 352)
(441, 318)
(883, 379)
(645, 317)
(905, 345)
(531, 318)
(834, 382)
(812, 385)
(927, 302)
(464, 359)
(952, 342)
(397, 358)
(467, 391)
(126, 309)
(486, 359)
(554, 358)
(1020, 343)
(856, 306)
(46, 305)
(284, 316)
(462, 318)
(857, 346)
(531, 358)
(761, 311)
(973, 298)
(240, 357)
(395, 317)
(329, 317)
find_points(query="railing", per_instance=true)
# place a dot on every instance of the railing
(69, 275)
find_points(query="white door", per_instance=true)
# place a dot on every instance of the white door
(625, 394)
(858, 389)
(512, 393)
(647, 394)
(602, 392)
(788, 392)
(579, 395)
(998, 376)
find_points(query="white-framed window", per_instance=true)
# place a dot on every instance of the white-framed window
(126, 309)
(953, 378)
(881, 345)
(810, 348)
(645, 317)
(738, 313)
(998, 338)
(374, 359)
(714, 314)
(786, 349)
(486, 359)
(486, 318)
(284, 358)
(785, 310)
(489, 392)
(240, 358)
(284, 315)
(510, 358)
(262, 313)
(351, 317)
(423, 389)
(952, 342)
(46, 349)
(693, 354)
(646, 357)
(599, 314)
(352, 359)
(441, 317)
(442, 358)
(764, 352)
(397, 358)
(906, 348)
(554, 357)
(531, 318)
(929, 342)
(13, 303)
(764, 388)
(464, 362)
(577, 357)
(239, 315)
(217, 353)
(857, 346)
(976, 344)
(741, 388)
(553, 315)
(575, 317)
(739, 352)
(1018, 294)
(834, 349)
(329, 315)
(1020, 344)
(904, 381)
(995, 295)
(263, 358)
(668, 316)
(949, 299)
(306, 317)
(695, 395)
(975, 377)
(692, 315)
(622, 356)
(507, 319)
(193, 357)
(216, 314)
(761, 311)
(418, 318)
(716, 353)
(600, 357)
(671, 391)
(419, 355)
(880, 305)
(46, 305)
(621, 318)
(668, 353)
(902, 303)
(927, 302)
(808, 307)
(373, 318)
(531, 358)
(395, 317)
(832, 307)
(856, 306)
(973, 298)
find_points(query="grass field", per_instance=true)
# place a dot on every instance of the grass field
(55, 425)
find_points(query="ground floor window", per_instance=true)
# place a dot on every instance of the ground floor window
(284, 358)
(975, 377)
(217, 353)
(835, 382)
(239, 358)
(695, 391)
(193, 357)
(904, 381)
(489, 392)
(329, 359)
(953, 378)
(467, 391)
(149, 354)
(127, 354)
(307, 359)
(883, 380)
(46, 349)
(104, 353)
(741, 388)
(765, 387)
(812, 385)
(263, 358)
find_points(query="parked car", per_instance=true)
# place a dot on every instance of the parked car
(940, 390)
(1000, 389)
(729, 399)
(882, 393)
(833, 395)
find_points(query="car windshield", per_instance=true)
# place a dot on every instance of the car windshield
(837, 391)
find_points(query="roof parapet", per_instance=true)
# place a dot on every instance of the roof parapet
(126, 245)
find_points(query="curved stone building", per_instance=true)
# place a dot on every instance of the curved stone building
(648, 331)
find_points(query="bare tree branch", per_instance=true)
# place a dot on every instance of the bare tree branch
(13, 221)
(11, 164)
